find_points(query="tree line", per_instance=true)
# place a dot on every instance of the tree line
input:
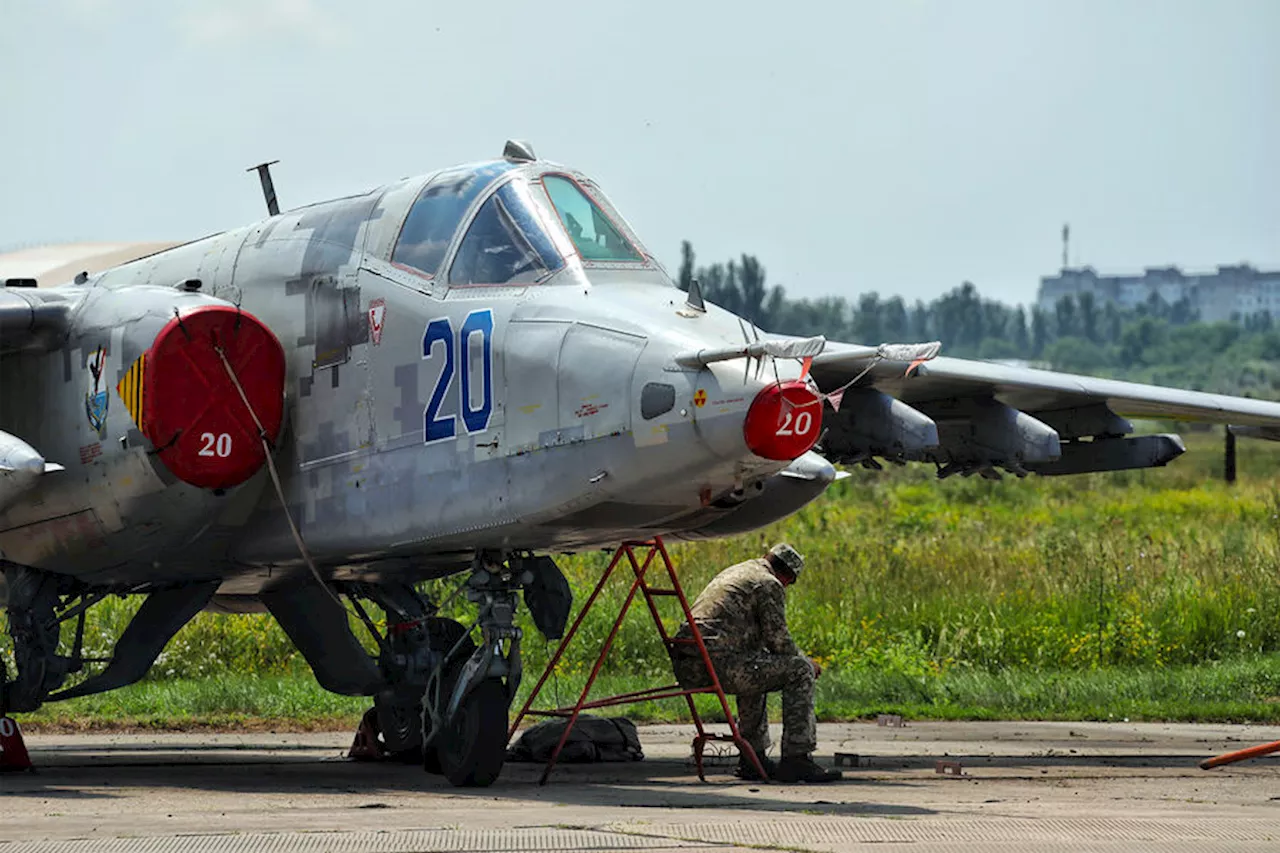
(1156, 341)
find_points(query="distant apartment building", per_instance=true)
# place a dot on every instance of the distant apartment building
(1229, 291)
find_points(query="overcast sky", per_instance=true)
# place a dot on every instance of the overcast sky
(896, 146)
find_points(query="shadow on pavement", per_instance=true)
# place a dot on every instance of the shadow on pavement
(652, 783)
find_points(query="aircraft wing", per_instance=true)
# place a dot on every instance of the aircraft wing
(33, 311)
(32, 319)
(982, 415)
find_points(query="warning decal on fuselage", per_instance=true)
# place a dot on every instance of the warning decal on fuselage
(130, 389)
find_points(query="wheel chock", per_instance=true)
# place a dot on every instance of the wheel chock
(367, 746)
(13, 749)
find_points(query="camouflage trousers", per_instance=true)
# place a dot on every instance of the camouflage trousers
(750, 678)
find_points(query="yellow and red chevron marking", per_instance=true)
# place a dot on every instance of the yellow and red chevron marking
(130, 389)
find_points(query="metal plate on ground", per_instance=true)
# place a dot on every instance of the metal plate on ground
(791, 833)
(444, 840)
(759, 833)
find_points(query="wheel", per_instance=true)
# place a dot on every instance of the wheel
(444, 635)
(471, 750)
(401, 728)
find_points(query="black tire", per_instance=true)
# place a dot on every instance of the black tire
(471, 750)
(400, 728)
(431, 760)
(444, 635)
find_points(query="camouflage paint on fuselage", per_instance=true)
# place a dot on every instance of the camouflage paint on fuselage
(552, 452)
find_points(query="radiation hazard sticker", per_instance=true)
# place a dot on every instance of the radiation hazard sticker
(700, 397)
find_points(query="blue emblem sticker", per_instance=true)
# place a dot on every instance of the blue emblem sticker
(96, 399)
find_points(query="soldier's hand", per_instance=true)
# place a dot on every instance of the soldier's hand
(817, 668)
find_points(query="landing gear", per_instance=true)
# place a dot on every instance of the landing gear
(34, 626)
(465, 704)
(447, 698)
(454, 643)
(39, 602)
(393, 728)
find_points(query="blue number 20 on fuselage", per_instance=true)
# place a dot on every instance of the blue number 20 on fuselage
(440, 330)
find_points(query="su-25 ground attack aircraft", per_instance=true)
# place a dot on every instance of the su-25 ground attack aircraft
(463, 372)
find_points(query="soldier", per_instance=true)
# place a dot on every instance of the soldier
(742, 617)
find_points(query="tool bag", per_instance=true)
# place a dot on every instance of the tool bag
(592, 739)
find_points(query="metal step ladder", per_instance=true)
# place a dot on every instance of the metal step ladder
(652, 551)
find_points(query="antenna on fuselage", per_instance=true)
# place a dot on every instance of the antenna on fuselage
(268, 186)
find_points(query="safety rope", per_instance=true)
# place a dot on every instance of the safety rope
(275, 476)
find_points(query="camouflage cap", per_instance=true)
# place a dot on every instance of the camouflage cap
(789, 557)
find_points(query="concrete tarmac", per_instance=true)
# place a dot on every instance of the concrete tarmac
(1022, 786)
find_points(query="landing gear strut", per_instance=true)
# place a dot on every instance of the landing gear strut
(39, 602)
(447, 697)
(465, 704)
(34, 622)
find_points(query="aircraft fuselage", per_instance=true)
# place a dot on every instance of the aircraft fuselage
(427, 413)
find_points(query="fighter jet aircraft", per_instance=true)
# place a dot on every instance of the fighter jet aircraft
(464, 372)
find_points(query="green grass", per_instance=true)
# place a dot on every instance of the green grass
(233, 702)
(1245, 689)
(1156, 590)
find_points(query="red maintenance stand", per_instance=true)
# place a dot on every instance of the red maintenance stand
(632, 552)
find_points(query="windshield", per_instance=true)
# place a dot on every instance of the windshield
(594, 236)
(506, 243)
(437, 213)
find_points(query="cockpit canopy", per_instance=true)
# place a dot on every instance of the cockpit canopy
(531, 221)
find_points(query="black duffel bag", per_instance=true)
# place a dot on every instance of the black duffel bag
(592, 739)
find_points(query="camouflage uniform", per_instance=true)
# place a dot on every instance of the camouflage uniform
(742, 617)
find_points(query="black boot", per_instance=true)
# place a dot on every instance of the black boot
(802, 768)
(747, 772)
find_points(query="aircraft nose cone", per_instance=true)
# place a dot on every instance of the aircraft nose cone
(784, 421)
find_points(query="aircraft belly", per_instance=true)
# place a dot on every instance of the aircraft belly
(420, 504)
(381, 505)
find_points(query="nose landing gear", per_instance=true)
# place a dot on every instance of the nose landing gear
(465, 705)
(447, 698)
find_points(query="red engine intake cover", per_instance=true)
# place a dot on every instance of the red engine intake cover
(194, 415)
(784, 421)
